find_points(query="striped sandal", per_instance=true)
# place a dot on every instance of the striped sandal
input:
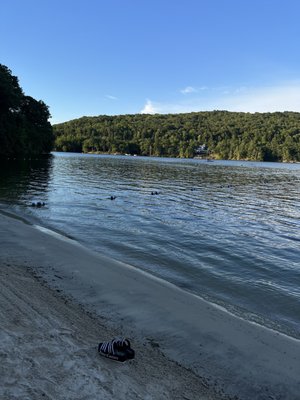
(116, 349)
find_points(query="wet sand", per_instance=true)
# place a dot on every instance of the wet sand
(59, 299)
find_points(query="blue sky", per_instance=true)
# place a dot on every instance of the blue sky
(93, 57)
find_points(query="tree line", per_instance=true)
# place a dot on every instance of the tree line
(25, 130)
(24, 126)
(227, 135)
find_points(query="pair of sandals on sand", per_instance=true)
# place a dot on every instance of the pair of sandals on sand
(116, 349)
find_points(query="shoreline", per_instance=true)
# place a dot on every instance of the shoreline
(235, 356)
(233, 311)
(212, 157)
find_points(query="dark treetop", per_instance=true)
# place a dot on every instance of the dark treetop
(24, 126)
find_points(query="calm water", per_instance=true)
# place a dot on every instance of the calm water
(228, 231)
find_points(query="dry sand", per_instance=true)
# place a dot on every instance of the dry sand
(48, 350)
(58, 300)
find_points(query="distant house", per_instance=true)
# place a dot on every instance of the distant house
(201, 150)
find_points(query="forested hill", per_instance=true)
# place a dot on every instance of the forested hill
(227, 135)
(24, 126)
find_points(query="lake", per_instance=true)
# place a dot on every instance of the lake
(228, 231)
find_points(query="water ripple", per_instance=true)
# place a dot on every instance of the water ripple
(224, 230)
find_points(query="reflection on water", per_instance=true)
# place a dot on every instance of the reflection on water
(20, 179)
(228, 231)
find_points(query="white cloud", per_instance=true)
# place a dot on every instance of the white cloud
(284, 97)
(192, 89)
(108, 96)
(149, 108)
(241, 89)
(188, 89)
(266, 99)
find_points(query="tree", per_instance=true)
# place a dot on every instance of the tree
(35, 115)
(24, 125)
(10, 92)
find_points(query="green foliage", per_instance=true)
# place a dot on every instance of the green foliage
(24, 126)
(228, 135)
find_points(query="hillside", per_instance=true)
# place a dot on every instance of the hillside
(227, 135)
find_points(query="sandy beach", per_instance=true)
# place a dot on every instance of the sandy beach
(59, 299)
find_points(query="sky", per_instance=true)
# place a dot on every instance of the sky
(112, 57)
